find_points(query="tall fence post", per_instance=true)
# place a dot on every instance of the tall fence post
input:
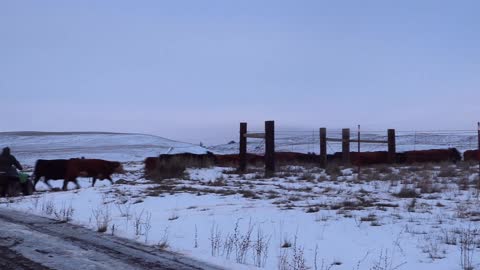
(269, 148)
(358, 138)
(243, 147)
(478, 156)
(391, 146)
(346, 145)
(323, 147)
(358, 152)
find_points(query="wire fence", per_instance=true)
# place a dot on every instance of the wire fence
(308, 141)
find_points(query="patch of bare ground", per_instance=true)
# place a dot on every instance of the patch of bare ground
(126, 182)
(350, 204)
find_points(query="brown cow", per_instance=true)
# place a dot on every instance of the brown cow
(228, 160)
(362, 158)
(433, 155)
(189, 159)
(289, 158)
(96, 168)
(470, 155)
(233, 160)
(178, 161)
(369, 158)
(150, 165)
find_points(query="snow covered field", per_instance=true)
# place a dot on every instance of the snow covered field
(404, 217)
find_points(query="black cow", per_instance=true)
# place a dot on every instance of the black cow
(471, 155)
(432, 155)
(55, 169)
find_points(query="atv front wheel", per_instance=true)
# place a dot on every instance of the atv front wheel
(27, 188)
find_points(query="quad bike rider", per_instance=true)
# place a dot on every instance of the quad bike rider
(10, 180)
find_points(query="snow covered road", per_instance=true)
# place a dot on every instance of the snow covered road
(32, 242)
(14, 261)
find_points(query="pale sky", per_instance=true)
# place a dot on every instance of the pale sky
(192, 70)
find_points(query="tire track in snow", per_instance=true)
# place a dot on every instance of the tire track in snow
(58, 245)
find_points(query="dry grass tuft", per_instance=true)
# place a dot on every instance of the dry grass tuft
(407, 192)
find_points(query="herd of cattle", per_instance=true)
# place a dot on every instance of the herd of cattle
(286, 158)
(69, 170)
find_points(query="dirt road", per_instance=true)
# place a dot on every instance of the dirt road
(32, 242)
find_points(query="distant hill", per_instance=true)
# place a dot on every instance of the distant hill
(29, 146)
(45, 133)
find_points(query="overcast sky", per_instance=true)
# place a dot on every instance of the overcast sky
(192, 70)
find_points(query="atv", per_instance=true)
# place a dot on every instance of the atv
(12, 185)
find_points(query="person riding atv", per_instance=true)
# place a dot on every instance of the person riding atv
(10, 179)
(8, 163)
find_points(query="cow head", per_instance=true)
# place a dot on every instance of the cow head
(117, 167)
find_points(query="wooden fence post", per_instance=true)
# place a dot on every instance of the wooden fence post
(269, 148)
(346, 145)
(478, 156)
(323, 147)
(358, 138)
(391, 146)
(243, 147)
(358, 152)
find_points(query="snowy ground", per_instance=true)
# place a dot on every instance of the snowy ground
(334, 218)
(404, 217)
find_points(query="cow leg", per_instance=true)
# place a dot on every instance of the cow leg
(76, 183)
(65, 183)
(47, 181)
(35, 181)
(93, 182)
(110, 179)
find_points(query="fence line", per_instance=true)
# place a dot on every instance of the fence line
(302, 140)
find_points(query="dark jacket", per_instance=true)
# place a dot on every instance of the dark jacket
(8, 163)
